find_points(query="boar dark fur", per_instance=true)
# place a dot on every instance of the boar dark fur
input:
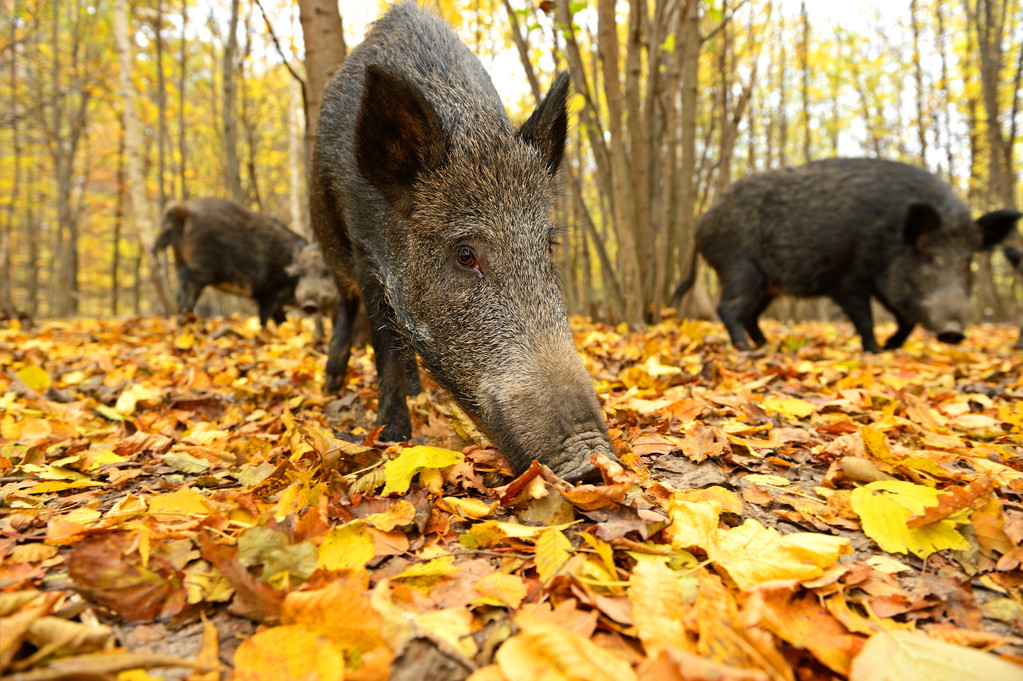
(1015, 258)
(219, 243)
(850, 229)
(429, 203)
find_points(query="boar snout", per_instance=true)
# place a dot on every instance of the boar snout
(952, 334)
(310, 306)
(547, 411)
(575, 452)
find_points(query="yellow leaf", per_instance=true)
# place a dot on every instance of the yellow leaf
(185, 501)
(341, 612)
(507, 589)
(552, 551)
(693, 524)
(790, 407)
(400, 471)
(398, 514)
(470, 507)
(424, 577)
(288, 653)
(453, 625)
(49, 487)
(753, 554)
(885, 507)
(656, 597)
(348, 547)
(901, 655)
(135, 394)
(558, 652)
(34, 377)
(519, 660)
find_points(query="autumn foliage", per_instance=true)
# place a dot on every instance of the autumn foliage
(183, 500)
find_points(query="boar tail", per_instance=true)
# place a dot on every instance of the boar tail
(173, 223)
(686, 283)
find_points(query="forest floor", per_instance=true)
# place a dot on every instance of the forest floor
(184, 501)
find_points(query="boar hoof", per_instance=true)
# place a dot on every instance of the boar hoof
(395, 432)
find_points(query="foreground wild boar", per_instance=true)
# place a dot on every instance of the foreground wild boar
(219, 243)
(427, 201)
(850, 229)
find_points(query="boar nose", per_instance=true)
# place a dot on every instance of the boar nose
(952, 334)
(310, 306)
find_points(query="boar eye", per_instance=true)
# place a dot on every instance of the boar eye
(466, 257)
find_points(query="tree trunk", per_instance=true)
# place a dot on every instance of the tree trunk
(161, 106)
(133, 147)
(325, 50)
(804, 58)
(621, 195)
(918, 77)
(232, 166)
(988, 19)
(182, 130)
(296, 162)
(7, 284)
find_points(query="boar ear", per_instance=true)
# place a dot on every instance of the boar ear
(996, 225)
(547, 127)
(397, 135)
(921, 220)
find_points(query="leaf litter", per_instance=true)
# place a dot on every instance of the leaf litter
(184, 501)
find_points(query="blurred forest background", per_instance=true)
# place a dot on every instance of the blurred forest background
(109, 109)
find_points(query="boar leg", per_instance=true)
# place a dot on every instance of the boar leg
(742, 289)
(857, 308)
(341, 341)
(269, 309)
(392, 369)
(415, 386)
(751, 320)
(901, 333)
(190, 286)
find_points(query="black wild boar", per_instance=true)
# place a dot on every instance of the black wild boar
(219, 243)
(315, 291)
(1015, 258)
(427, 201)
(850, 229)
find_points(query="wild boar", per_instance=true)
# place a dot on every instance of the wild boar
(219, 243)
(851, 229)
(428, 203)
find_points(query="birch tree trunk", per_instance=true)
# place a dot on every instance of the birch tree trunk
(133, 159)
(232, 165)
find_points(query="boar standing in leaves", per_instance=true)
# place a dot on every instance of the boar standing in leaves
(1015, 258)
(315, 291)
(427, 201)
(850, 229)
(219, 243)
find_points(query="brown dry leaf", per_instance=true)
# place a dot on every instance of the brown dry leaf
(952, 500)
